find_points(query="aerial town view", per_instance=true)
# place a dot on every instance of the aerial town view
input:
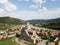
(29, 22)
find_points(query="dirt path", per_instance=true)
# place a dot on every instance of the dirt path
(21, 42)
(42, 42)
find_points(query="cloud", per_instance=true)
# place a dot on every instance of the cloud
(23, 0)
(33, 6)
(39, 1)
(44, 14)
(44, 8)
(38, 4)
(28, 15)
(1, 11)
(8, 6)
(3, 1)
(53, 0)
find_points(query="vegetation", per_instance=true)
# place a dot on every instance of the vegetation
(10, 20)
(32, 44)
(6, 26)
(7, 41)
(51, 23)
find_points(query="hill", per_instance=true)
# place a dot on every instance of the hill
(50, 23)
(10, 20)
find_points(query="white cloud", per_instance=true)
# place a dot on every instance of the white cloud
(10, 7)
(2, 11)
(7, 7)
(38, 4)
(44, 14)
(23, 0)
(39, 1)
(44, 8)
(53, 0)
(3, 1)
(33, 6)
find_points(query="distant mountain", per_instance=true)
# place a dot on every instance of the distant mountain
(50, 23)
(11, 20)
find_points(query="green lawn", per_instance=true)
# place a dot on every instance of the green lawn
(7, 41)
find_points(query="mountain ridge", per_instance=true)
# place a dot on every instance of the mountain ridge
(11, 20)
(50, 23)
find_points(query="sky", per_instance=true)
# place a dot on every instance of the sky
(30, 9)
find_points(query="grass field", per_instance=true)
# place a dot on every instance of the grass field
(7, 41)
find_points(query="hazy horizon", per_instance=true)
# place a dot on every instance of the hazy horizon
(30, 9)
(30, 19)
